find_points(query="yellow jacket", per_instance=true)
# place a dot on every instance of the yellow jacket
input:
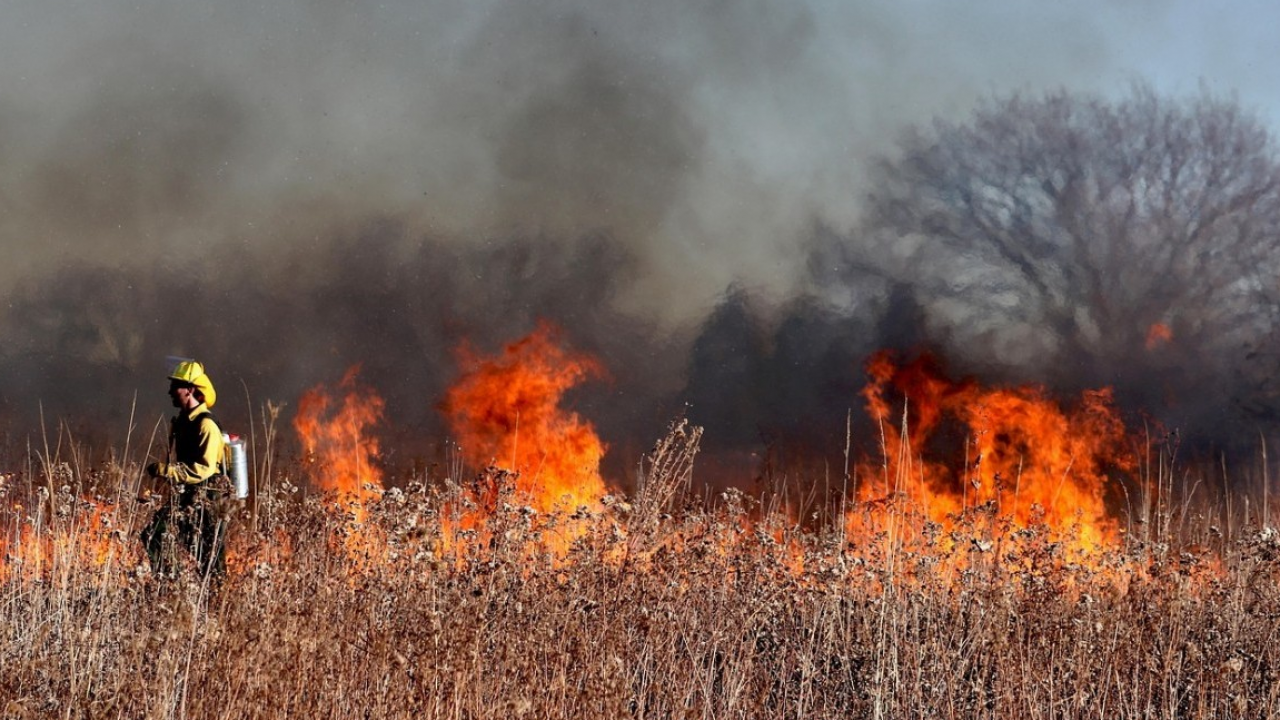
(195, 447)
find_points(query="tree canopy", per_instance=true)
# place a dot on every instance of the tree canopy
(1133, 243)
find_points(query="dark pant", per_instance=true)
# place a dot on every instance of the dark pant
(190, 519)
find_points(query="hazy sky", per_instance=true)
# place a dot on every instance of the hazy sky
(708, 136)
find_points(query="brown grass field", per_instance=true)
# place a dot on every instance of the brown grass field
(440, 600)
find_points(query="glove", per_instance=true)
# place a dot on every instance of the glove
(158, 470)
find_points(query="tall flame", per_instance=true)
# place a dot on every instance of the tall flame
(342, 453)
(1025, 457)
(505, 411)
(337, 440)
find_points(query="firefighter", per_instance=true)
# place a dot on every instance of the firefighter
(193, 515)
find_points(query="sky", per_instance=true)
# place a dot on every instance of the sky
(709, 137)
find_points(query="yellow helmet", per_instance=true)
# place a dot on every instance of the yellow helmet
(190, 371)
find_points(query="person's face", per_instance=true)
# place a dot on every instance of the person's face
(181, 393)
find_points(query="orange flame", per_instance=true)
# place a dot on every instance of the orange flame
(506, 411)
(1158, 334)
(337, 441)
(342, 452)
(1026, 457)
(1027, 461)
(85, 537)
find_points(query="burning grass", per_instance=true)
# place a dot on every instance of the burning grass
(999, 588)
(655, 608)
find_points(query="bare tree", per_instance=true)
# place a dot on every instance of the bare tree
(1099, 241)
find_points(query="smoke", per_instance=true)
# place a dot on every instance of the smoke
(704, 137)
(284, 190)
(94, 341)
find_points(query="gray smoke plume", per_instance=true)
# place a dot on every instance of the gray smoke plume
(286, 189)
(704, 137)
(1061, 239)
(399, 310)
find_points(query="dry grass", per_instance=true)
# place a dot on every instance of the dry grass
(656, 610)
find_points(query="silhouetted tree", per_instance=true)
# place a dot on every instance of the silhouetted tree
(1134, 242)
